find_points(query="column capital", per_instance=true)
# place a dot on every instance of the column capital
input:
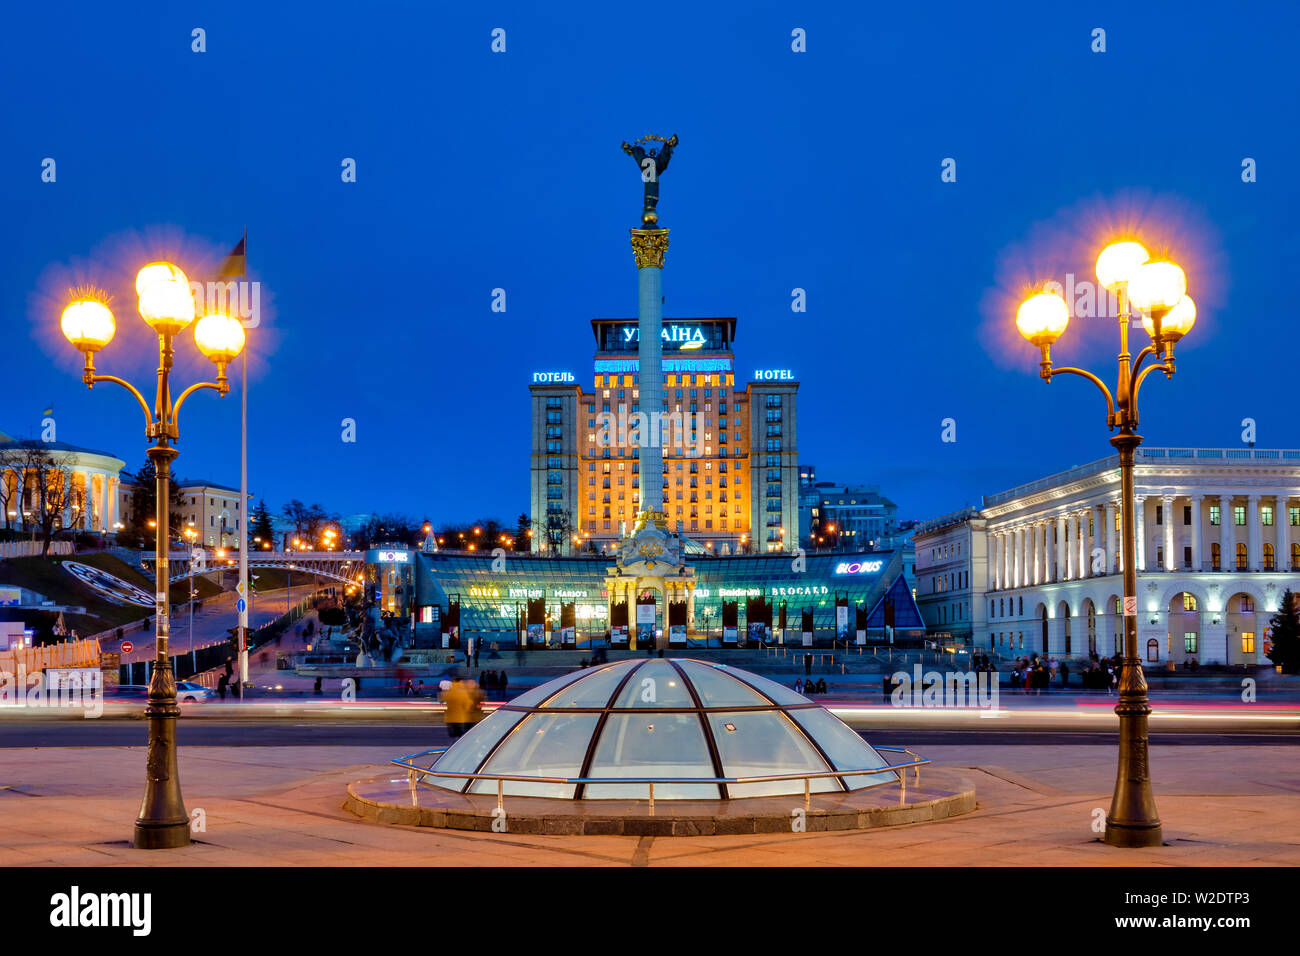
(650, 246)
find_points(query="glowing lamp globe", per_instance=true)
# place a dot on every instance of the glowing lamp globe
(151, 274)
(1157, 286)
(166, 301)
(1118, 262)
(88, 325)
(1177, 323)
(1042, 318)
(219, 337)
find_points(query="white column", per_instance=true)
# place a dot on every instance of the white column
(1227, 552)
(1082, 566)
(1282, 556)
(999, 548)
(1073, 546)
(1049, 572)
(1109, 510)
(1062, 566)
(1198, 507)
(1018, 558)
(1255, 560)
(1139, 508)
(1003, 555)
(1036, 565)
(1167, 503)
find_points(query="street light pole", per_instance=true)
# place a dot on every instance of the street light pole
(1157, 289)
(167, 305)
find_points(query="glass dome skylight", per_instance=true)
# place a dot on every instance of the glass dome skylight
(660, 718)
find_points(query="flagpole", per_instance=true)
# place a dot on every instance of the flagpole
(244, 591)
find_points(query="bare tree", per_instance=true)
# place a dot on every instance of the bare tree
(53, 497)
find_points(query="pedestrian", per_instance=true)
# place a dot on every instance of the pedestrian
(1065, 673)
(798, 685)
(807, 664)
(458, 701)
(222, 682)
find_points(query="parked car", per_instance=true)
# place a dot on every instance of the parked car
(188, 692)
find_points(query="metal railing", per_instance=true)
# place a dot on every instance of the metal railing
(414, 772)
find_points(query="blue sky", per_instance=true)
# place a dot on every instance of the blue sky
(817, 170)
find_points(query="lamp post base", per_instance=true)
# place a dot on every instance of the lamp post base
(1133, 837)
(168, 836)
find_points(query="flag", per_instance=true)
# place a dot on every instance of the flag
(49, 411)
(236, 263)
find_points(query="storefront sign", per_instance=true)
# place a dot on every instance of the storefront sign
(392, 557)
(874, 566)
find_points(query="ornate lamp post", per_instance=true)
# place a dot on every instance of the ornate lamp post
(167, 304)
(1157, 289)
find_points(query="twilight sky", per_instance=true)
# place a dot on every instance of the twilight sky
(478, 170)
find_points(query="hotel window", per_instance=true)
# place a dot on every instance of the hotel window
(1247, 642)
(1189, 642)
(1295, 557)
(1241, 557)
(1266, 515)
(1247, 604)
(1216, 557)
(1187, 557)
(1189, 602)
(1239, 515)
(1293, 515)
(1268, 557)
(1187, 514)
(1214, 514)
(1160, 514)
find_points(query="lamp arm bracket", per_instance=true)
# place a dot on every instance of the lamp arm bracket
(176, 411)
(1110, 401)
(1137, 385)
(1141, 357)
(92, 379)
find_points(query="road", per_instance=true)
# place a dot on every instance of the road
(404, 737)
(211, 624)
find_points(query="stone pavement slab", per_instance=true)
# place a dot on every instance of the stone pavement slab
(269, 806)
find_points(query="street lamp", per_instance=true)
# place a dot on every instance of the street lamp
(1158, 290)
(167, 305)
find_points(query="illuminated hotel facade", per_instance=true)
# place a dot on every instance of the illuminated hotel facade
(1037, 569)
(731, 474)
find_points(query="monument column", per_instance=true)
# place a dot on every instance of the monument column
(650, 246)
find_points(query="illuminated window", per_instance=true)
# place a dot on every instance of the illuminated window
(1189, 602)
(1247, 643)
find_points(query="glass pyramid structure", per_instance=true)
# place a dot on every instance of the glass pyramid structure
(660, 718)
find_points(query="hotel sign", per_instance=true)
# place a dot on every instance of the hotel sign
(773, 375)
(614, 366)
(683, 336)
(553, 378)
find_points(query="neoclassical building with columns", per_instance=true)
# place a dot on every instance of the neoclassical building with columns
(93, 505)
(1218, 542)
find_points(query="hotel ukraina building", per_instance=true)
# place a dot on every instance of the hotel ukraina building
(1037, 569)
(731, 471)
